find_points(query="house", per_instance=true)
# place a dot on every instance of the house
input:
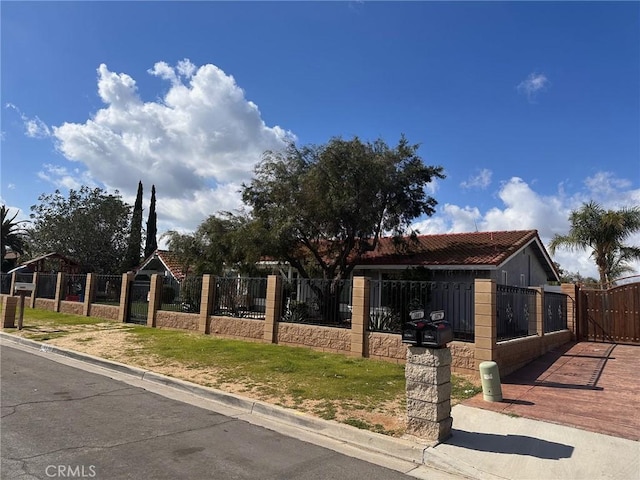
(515, 258)
(161, 262)
(49, 263)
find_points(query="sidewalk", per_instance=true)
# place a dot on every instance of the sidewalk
(484, 445)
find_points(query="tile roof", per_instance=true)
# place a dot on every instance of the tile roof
(169, 260)
(468, 249)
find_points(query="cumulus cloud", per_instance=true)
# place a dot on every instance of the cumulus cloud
(33, 126)
(482, 180)
(533, 85)
(197, 143)
(523, 209)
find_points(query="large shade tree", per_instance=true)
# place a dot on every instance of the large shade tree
(604, 233)
(13, 233)
(89, 226)
(322, 207)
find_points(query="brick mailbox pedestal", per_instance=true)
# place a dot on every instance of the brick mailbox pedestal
(428, 376)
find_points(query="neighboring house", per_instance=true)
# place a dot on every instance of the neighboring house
(163, 263)
(516, 258)
(49, 263)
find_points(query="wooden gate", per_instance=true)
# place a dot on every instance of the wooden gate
(611, 315)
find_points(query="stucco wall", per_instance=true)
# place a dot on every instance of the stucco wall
(183, 321)
(240, 328)
(325, 339)
(108, 312)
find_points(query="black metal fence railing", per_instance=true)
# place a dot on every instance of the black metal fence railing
(555, 312)
(5, 283)
(181, 296)
(317, 302)
(46, 285)
(240, 297)
(108, 288)
(515, 310)
(390, 302)
(74, 287)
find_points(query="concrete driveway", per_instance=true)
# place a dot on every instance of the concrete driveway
(591, 386)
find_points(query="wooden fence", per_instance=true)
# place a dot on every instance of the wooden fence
(611, 315)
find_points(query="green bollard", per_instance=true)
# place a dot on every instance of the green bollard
(491, 389)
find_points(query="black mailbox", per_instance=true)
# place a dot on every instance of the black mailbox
(434, 333)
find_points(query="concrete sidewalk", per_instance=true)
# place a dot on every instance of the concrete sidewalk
(484, 445)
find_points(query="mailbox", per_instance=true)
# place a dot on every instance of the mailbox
(432, 333)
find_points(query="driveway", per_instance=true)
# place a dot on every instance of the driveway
(591, 386)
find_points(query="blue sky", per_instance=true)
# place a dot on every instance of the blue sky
(531, 107)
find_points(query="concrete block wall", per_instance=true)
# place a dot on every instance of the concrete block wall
(356, 341)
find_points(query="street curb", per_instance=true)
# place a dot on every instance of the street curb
(401, 449)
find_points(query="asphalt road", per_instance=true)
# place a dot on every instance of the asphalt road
(59, 421)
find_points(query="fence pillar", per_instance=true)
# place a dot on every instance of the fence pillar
(127, 278)
(89, 292)
(571, 290)
(359, 316)
(273, 308)
(9, 308)
(536, 322)
(485, 320)
(59, 292)
(32, 298)
(206, 302)
(155, 299)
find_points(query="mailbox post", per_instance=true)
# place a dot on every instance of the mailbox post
(428, 376)
(23, 289)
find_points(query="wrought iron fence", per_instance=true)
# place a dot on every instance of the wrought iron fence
(74, 287)
(317, 302)
(516, 312)
(182, 296)
(5, 283)
(240, 297)
(46, 285)
(390, 302)
(108, 289)
(555, 312)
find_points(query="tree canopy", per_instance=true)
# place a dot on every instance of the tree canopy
(604, 232)
(151, 242)
(89, 226)
(220, 242)
(323, 207)
(13, 233)
(134, 244)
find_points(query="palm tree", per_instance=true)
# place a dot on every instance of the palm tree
(604, 232)
(13, 234)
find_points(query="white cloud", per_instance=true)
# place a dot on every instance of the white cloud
(62, 178)
(34, 127)
(11, 186)
(482, 180)
(197, 143)
(523, 209)
(532, 85)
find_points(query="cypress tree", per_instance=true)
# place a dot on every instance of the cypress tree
(151, 244)
(132, 258)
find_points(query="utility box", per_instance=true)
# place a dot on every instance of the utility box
(432, 333)
(490, 377)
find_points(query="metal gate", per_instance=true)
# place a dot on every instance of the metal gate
(138, 306)
(611, 315)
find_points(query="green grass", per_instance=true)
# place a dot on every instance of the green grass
(298, 372)
(54, 318)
